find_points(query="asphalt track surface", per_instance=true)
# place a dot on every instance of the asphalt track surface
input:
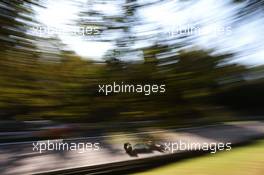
(19, 158)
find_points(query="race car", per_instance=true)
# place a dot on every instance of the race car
(145, 147)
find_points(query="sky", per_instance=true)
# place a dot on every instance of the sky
(212, 20)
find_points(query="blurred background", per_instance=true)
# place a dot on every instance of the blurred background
(54, 54)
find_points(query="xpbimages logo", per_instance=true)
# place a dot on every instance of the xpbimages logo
(59, 145)
(147, 89)
(213, 147)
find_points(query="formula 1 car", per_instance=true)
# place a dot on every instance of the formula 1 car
(147, 147)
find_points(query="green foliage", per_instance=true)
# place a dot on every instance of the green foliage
(43, 84)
